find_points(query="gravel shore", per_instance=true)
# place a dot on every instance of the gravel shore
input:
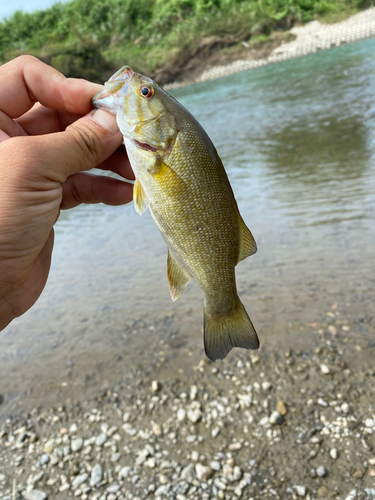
(311, 37)
(268, 424)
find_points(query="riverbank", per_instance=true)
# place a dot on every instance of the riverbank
(306, 39)
(272, 424)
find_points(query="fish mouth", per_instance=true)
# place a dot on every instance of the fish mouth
(105, 98)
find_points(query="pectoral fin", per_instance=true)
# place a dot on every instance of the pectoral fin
(140, 199)
(178, 278)
(163, 173)
(247, 243)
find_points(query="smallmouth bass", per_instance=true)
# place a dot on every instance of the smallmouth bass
(181, 178)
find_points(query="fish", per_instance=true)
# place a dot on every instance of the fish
(181, 179)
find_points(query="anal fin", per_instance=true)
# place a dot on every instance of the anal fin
(140, 199)
(247, 243)
(178, 278)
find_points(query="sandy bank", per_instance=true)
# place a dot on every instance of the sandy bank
(310, 38)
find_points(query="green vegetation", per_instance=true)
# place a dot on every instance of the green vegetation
(92, 38)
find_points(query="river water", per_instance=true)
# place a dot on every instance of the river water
(298, 142)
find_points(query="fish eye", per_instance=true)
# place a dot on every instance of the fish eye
(146, 91)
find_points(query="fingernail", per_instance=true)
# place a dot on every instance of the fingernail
(106, 120)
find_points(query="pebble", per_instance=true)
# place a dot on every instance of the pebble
(78, 480)
(352, 495)
(73, 429)
(276, 418)
(181, 414)
(96, 475)
(281, 408)
(215, 432)
(115, 457)
(191, 438)
(124, 472)
(155, 386)
(300, 490)
(215, 465)
(157, 430)
(49, 446)
(203, 472)
(114, 488)
(334, 453)
(188, 473)
(194, 415)
(45, 459)
(266, 386)
(34, 495)
(369, 422)
(101, 439)
(322, 471)
(324, 369)
(235, 446)
(193, 392)
(77, 444)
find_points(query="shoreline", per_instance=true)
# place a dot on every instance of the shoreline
(310, 38)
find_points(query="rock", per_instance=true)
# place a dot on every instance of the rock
(237, 473)
(181, 414)
(300, 490)
(63, 431)
(96, 475)
(34, 495)
(215, 432)
(369, 422)
(101, 439)
(2, 477)
(193, 392)
(114, 488)
(77, 444)
(280, 407)
(345, 409)
(142, 455)
(73, 429)
(194, 415)
(358, 474)
(332, 329)
(155, 386)
(115, 457)
(191, 438)
(49, 446)
(203, 472)
(322, 471)
(235, 446)
(188, 473)
(324, 369)
(78, 480)
(334, 453)
(351, 495)
(151, 462)
(45, 459)
(124, 472)
(195, 456)
(157, 430)
(215, 465)
(266, 386)
(276, 418)
(324, 492)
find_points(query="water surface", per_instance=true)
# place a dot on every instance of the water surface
(298, 142)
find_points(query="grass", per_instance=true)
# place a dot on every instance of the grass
(92, 38)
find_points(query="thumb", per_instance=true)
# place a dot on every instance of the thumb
(85, 144)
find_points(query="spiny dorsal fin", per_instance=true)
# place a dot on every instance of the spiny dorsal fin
(140, 199)
(178, 278)
(247, 243)
(222, 332)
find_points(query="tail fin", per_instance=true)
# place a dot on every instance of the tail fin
(222, 333)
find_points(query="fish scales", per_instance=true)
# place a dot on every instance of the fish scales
(180, 176)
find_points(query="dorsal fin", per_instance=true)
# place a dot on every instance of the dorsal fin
(178, 278)
(247, 243)
(140, 199)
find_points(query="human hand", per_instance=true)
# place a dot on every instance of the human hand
(47, 140)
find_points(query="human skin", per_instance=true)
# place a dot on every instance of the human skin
(49, 137)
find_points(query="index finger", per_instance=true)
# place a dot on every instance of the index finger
(26, 80)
